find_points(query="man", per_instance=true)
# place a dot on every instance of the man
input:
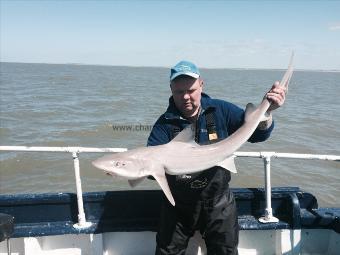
(203, 200)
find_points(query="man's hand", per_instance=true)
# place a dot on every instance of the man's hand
(276, 95)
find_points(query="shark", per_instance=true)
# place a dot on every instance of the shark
(183, 155)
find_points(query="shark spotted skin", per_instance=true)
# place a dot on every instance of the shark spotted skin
(182, 155)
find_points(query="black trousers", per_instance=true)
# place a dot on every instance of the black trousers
(216, 219)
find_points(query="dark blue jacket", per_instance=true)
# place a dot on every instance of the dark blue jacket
(227, 119)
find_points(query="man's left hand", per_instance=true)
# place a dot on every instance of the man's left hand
(276, 96)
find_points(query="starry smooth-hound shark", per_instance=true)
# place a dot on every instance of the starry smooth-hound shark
(182, 155)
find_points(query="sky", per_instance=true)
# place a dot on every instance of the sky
(212, 34)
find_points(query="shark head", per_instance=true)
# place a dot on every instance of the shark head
(122, 165)
(134, 167)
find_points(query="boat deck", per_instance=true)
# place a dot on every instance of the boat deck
(127, 220)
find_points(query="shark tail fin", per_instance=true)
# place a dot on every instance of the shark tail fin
(288, 74)
(162, 181)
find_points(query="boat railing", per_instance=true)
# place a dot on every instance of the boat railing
(75, 151)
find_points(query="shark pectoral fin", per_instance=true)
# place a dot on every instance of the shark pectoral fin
(229, 164)
(161, 179)
(135, 182)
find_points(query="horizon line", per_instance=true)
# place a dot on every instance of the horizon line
(148, 66)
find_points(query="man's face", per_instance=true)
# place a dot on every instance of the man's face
(186, 92)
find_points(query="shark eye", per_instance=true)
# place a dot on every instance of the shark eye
(118, 164)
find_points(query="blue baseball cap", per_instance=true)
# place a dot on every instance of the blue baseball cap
(184, 68)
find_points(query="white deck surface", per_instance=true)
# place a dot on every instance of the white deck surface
(261, 242)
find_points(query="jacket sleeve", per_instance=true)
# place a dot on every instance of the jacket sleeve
(261, 135)
(159, 134)
(235, 119)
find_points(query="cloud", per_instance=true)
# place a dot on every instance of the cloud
(334, 26)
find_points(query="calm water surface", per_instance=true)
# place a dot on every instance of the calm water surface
(75, 105)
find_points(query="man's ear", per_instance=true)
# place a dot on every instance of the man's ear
(201, 82)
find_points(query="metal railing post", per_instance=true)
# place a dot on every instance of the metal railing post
(81, 214)
(268, 215)
(8, 247)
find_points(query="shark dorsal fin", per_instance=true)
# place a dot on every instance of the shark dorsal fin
(250, 108)
(186, 135)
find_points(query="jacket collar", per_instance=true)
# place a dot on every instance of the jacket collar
(173, 113)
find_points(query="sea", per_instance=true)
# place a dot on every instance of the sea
(116, 106)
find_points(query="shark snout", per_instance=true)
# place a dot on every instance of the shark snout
(97, 164)
(103, 165)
